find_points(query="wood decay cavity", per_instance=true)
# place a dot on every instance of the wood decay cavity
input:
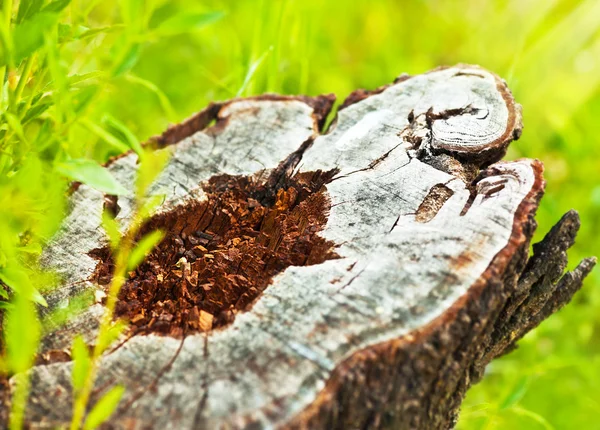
(220, 254)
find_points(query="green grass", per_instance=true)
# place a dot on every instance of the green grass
(547, 50)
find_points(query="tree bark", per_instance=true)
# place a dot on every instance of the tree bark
(358, 277)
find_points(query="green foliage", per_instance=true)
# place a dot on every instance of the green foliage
(104, 408)
(143, 248)
(153, 163)
(185, 21)
(23, 332)
(60, 315)
(91, 173)
(27, 9)
(111, 334)
(59, 64)
(127, 254)
(28, 36)
(81, 363)
(111, 228)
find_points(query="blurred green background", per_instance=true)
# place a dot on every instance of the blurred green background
(547, 50)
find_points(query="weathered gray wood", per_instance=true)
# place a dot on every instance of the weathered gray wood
(432, 232)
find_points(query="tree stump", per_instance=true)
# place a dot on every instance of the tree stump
(356, 276)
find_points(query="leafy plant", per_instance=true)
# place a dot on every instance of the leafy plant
(127, 254)
(58, 61)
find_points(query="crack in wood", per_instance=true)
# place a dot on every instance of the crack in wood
(433, 202)
(122, 409)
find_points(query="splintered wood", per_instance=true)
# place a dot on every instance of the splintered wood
(357, 277)
(221, 253)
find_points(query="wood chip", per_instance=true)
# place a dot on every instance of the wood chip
(206, 321)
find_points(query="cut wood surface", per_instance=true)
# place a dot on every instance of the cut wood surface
(376, 267)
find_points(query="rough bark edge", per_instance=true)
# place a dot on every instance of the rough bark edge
(361, 93)
(542, 289)
(384, 386)
(321, 105)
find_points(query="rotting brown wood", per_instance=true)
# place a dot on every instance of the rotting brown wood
(370, 293)
(221, 253)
